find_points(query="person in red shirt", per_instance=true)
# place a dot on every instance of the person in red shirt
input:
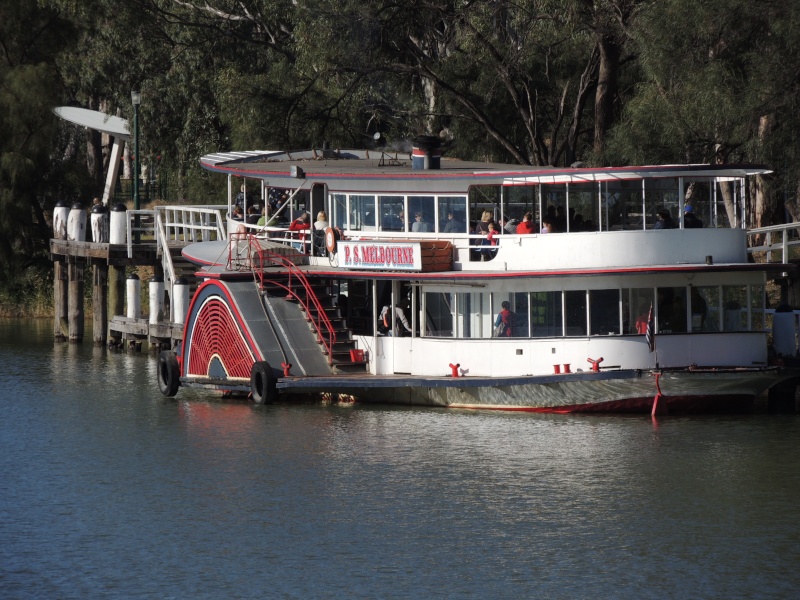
(526, 226)
(302, 225)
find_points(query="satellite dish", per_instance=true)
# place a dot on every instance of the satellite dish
(93, 119)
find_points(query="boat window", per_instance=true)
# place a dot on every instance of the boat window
(621, 205)
(575, 311)
(757, 306)
(636, 304)
(339, 210)
(483, 198)
(452, 214)
(582, 212)
(362, 213)
(660, 194)
(426, 208)
(734, 299)
(392, 213)
(521, 315)
(439, 307)
(519, 200)
(705, 308)
(554, 205)
(604, 312)
(545, 314)
(470, 315)
(698, 195)
(671, 316)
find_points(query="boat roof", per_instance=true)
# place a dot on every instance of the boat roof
(391, 170)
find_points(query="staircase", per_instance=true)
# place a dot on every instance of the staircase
(339, 355)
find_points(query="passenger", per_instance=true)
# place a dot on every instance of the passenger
(502, 324)
(453, 225)
(300, 224)
(509, 225)
(664, 220)
(547, 224)
(321, 224)
(489, 242)
(690, 220)
(237, 215)
(419, 225)
(482, 226)
(641, 320)
(387, 328)
(527, 225)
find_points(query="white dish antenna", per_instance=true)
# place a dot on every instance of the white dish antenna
(93, 119)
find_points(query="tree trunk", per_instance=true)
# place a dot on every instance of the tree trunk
(606, 92)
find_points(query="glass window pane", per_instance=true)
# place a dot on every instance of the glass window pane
(734, 301)
(575, 307)
(339, 211)
(583, 207)
(362, 213)
(661, 194)
(439, 309)
(421, 216)
(636, 308)
(604, 312)
(705, 308)
(671, 316)
(392, 215)
(452, 214)
(545, 314)
(757, 305)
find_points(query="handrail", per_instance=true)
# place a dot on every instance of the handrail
(145, 226)
(258, 258)
(782, 246)
(166, 260)
(193, 223)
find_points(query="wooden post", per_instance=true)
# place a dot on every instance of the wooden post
(75, 302)
(100, 304)
(60, 327)
(116, 294)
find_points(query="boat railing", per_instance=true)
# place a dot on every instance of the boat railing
(186, 224)
(260, 259)
(774, 241)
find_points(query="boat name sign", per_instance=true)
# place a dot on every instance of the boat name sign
(396, 256)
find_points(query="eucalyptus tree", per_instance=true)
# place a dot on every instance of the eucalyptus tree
(29, 88)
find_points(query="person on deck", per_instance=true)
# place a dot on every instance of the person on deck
(302, 225)
(385, 327)
(503, 320)
(690, 220)
(526, 226)
(663, 220)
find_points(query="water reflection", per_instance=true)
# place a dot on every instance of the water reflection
(111, 490)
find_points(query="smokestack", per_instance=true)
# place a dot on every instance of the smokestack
(426, 154)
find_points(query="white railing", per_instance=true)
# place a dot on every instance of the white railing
(193, 223)
(777, 240)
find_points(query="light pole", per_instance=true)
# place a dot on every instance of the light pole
(136, 99)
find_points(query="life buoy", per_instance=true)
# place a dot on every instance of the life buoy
(331, 236)
(168, 373)
(262, 383)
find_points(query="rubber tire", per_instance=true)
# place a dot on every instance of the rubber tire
(169, 374)
(262, 383)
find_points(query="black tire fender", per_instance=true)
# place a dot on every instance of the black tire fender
(262, 383)
(169, 374)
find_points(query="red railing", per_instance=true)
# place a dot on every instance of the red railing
(258, 258)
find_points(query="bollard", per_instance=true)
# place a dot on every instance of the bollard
(180, 300)
(60, 217)
(76, 223)
(454, 369)
(567, 368)
(119, 222)
(134, 299)
(156, 299)
(557, 369)
(99, 224)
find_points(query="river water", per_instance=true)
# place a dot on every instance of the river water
(109, 490)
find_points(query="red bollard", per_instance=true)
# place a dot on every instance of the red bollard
(556, 369)
(595, 363)
(566, 368)
(454, 368)
(286, 367)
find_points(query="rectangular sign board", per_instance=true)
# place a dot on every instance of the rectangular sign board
(378, 255)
